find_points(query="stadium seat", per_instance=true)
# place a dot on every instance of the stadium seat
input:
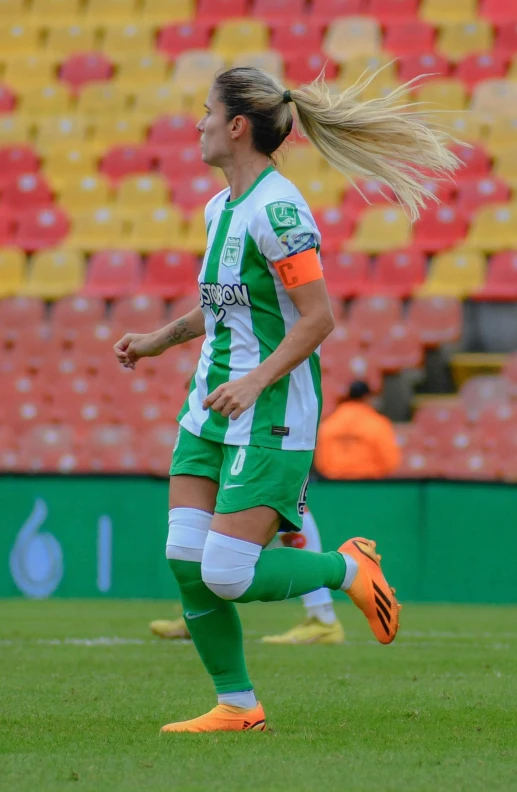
(71, 314)
(439, 417)
(381, 229)
(498, 11)
(156, 229)
(26, 191)
(446, 94)
(440, 11)
(141, 313)
(60, 133)
(343, 341)
(474, 161)
(494, 99)
(456, 273)
(439, 227)
(236, 36)
(211, 14)
(300, 158)
(33, 341)
(474, 68)
(16, 40)
(83, 68)
(408, 436)
(50, 13)
(416, 64)
(398, 349)
(373, 315)
(335, 226)
(474, 193)
(306, 67)
(190, 194)
(197, 68)
(324, 12)
(501, 282)
(29, 72)
(346, 38)
(86, 192)
(12, 271)
(365, 65)
(322, 190)
(122, 161)
(12, 11)
(386, 11)
(494, 422)
(119, 41)
(296, 38)
(278, 10)
(493, 228)
(65, 40)
(170, 132)
(409, 38)
(16, 160)
(14, 130)
(361, 366)
(170, 274)
(346, 274)
(136, 72)
(54, 274)
(18, 312)
(472, 465)
(102, 100)
(7, 225)
(418, 463)
(506, 40)
(460, 39)
(109, 133)
(483, 391)
(194, 238)
(150, 103)
(509, 369)
(63, 165)
(268, 60)
(113, 273)
(41, 228)
(464, 127)
(398, 273)
(368, 193)
(137, 192)
(439, 319)
(506, 167)
(163, 11)
(183, 163)
(103, 12)
(95, 229)
(175, 39)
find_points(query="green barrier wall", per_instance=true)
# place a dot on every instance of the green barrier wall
(105, 537)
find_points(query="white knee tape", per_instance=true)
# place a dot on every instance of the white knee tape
(188, 529)
(228, 565)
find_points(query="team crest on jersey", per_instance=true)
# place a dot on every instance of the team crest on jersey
(231, 252)
(284, 214)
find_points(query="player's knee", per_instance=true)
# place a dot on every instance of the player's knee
(228, 565)
(188, 529)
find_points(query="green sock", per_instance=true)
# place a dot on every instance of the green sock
(287, 572)
(215, 628)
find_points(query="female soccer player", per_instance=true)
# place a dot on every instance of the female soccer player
(248, 427)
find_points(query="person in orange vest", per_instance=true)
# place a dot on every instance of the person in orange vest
(356, 442)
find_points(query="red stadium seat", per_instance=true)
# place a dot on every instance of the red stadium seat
(27, 191)
(368, 193)
(194, 193)
(84, 68)
(386, 11)
(470, 465)
(398, 272)
(15, 160)
(495, 422)
(285, 10)
(178, 38)
(185, 304)
(485, 66)
(94, 346)
(409, 38)
(306, 67)
(123, 161)
(501, 282)
(441, 418)
(399, 348)
(323, 12)
(346, 274)
(374, 315)
(457, 439)
(506, 40)
(113, 273)
(476, 192)
(21, 311)
(483, 391)
(498, 12)
(7, 226)
(476, 161)
(335, 226)
(41, 228)
(418, 463)
(212, 13)
(416, 64)
(49, 437)
(72, 313)
(408, 436)
(170, 274)
(183, 163)
(439, 227)
(439, 319)
(342, 342)
(7, 99)
(360, 366)
(296, 38)
(171, 131)
(140, 314)
(509, 372)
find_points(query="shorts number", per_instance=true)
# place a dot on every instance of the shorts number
(302, 499)
(238, 462)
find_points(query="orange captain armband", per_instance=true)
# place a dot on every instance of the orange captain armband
(299, 269)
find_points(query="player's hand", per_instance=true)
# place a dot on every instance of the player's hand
(233, 398)
(134, 346)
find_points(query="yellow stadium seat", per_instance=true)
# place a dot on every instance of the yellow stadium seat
(502, 135)
(322, 191)
(148, 103)
(12, 271)
(141, 71)
(105, 12)
(194, 240)
(51, 13)
(493, 99)
(269, 61)
(85, 192)
(95, 229)
(102, 100)
(381, 228)
(439, 11)
(458, 40)
(63, 165)
(364, 66)
(62, 132)
(54, 274)
(446, 94)
(14, 129)
(142, 192)
(153, 229)
(29, 72)
(18, 40)
(12, 11)
(238, 36)
(463, 126)
(162, 11)
(506, 166)
(108, 132)
(196, 68)
(52, 100)
(296, 160)
(69, 39)
(373, 91)
(455, 273)
(351, 37)
(120, 41)
(493, 228)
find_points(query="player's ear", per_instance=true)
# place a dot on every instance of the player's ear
(238, 126)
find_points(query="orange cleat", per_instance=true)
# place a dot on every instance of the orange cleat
(370, 590)
(222, 718)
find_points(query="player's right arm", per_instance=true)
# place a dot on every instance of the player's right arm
(134, 346)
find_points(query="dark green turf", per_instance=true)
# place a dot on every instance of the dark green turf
(435, 711)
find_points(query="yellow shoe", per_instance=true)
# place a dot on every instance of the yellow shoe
(176, 629)
(370, 590)
(222, 718)
(311, 631)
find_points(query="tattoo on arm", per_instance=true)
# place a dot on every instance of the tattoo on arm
(179, 332)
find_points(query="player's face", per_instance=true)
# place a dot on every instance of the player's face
(214, 128)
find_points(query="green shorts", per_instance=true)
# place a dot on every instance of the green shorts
(248, 476)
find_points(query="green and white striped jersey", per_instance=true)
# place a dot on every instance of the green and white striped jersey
(247, 314)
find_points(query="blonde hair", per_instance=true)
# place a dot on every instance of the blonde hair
(381, 138)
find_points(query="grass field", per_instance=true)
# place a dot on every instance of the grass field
(435, 711)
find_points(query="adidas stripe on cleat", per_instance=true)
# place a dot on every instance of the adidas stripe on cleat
(223, 717)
